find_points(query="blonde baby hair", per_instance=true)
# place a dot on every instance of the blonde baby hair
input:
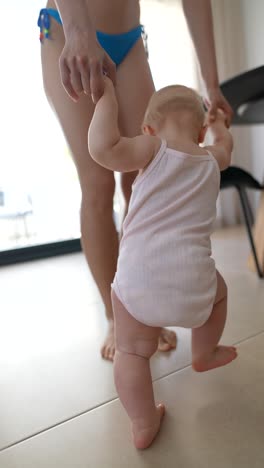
(174, 99)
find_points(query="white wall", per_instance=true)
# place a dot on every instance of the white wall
(171, 54)
(253, 30)
(239, 35)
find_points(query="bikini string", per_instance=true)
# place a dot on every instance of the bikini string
(44, 25)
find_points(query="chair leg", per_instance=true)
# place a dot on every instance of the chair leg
(250, 215)
(248, 219)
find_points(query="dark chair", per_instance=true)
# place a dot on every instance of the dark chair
(245, 93)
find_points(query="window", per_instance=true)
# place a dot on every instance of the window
(39, 189)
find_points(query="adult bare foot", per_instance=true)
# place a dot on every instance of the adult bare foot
(143, 437)
(108, 348)
(221, 356)
(167, 340)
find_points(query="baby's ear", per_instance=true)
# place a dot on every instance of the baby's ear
(148, 130)
(202, 133)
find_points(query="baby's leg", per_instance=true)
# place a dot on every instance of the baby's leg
(135, 344)
(206, 352)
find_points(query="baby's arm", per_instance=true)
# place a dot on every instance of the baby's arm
(106, 145)
(223, 141)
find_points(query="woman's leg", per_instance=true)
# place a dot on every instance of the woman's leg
(206, 352)
(134, 89)
(99, 236)
(135, 344)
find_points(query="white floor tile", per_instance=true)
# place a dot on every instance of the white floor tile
(52, 325)
(214, 419)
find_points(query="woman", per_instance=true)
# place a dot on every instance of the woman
(89, 38)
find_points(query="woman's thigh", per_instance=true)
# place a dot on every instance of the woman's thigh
(74, 117)
(134, 89)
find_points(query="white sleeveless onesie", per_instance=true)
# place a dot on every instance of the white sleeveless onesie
(165, 273)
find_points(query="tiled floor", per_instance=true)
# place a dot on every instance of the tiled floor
(58, 404)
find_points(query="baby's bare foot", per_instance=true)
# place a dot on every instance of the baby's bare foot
(108, 348)
(143, 437)
(167, 340)
(221, 356)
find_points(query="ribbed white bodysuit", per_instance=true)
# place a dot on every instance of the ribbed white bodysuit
(165, 273)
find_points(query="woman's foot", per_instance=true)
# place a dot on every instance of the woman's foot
(143, 437)
(108, 348)
(221, 356)
(167, 340)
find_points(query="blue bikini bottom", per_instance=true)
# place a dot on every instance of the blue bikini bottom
(117, 46)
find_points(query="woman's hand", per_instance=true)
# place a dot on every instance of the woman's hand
(83, 63)
(215, 101)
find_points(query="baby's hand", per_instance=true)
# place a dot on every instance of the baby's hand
(109, 90)
(220, 117)
(109, 87)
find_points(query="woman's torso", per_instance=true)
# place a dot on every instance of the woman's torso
(111, 16)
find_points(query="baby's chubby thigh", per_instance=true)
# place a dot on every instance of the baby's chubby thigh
(132, 336)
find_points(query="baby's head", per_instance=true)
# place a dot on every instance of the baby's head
(175, 105)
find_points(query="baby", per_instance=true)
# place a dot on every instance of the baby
(165, 273)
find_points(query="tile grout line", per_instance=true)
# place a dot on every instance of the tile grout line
(189, 365)
(25, 439)
(250, 337)
(60, 423)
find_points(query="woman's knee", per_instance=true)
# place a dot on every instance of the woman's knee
(98, 191)
(127, 180)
